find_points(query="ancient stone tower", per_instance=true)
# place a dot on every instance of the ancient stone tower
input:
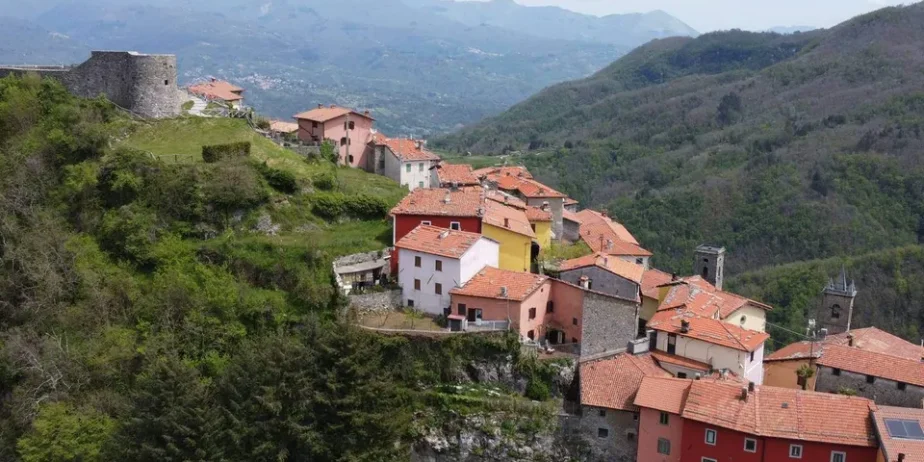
(709, 262)
(143, 84)
(836, 311)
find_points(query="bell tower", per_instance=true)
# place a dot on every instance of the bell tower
(836, 311)
(709, 262)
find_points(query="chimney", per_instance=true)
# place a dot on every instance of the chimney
(609, 244)
(751, 387)
(901, 457)
(697, 376)
(366, 113)
(214, 79)
(454, 186)
(674, 277)
(684, 326)
(333, 106)
(506, 222)
(744, 393)
(444, 234)
(448, 198)
(849, 339)
(320, 106)
(503, 292)
(545, 206)
(417, 144)
(823, 333)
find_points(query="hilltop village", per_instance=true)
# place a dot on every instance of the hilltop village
(671, 367)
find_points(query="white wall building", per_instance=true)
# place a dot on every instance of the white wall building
(406, 161)
(432, 261)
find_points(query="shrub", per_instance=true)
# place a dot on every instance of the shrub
(262, 123)
(280, 180)
(326, 180)
(218, 152)
(233, 186)
(329, 206)
(329, 152)
(537, 390)
(335, 205)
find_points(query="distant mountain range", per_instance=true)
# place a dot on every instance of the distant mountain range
(422, 66)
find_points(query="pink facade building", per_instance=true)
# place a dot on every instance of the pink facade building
(351, 131)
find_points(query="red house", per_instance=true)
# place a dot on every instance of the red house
(723, 421)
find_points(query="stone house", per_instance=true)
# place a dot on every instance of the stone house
(886, 379)
(350, 130)
(362, 270)
(407, 161)
(434, 260)
(547, 310)
(571, 226)
(609, 418)
(604, 273)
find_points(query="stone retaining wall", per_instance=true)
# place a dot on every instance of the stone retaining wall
(376, 302)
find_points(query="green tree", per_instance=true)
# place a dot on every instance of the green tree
(61, 433)
(329, 152)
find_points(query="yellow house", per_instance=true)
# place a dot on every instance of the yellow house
(511, 228)
(541, 222)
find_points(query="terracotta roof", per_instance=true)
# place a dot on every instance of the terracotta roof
(870, 339)
(217, 89)
(615, 265)
(892, 447)
(605, 235)
(505, 198)
(589, 216)
(509, 218)
(703, 299)
(782, 413)
(667, 358)
(570, 216)
(465, 202)
(663, 394)
(651, 279)
(490, 281)
(283, 127)
(526, 187)
(536, 214)
(378, 138)
(323, 113)
(876, 364)
(570, 201)
(460, 174)
(707, 329)
(612, 383)
(409, 150)
(438, 241)
(793, 351)
(515, 170)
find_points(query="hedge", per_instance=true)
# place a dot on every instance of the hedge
(280, 180)
(335, 205)
(218, 152)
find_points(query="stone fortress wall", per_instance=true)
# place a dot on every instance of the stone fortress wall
(144, 84)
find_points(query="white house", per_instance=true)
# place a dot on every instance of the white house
(406, 161)
(719, 344)
(433, 260)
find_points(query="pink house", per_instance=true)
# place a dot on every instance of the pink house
(350, 130)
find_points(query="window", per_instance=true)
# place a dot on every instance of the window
(407, 168)
(550, 307)
(166, 82)
(533, 226)
(343, 141)
(837, 456)
(352, 125)
(420, 167)
(455, 225)
(439, 265)
(438, 288)
(705, 273)
(901, 386)
(314, 125)
(461, 308)
(601, 412)
(410, 303)
(752, 353)
(664, 446)
(602, 433)
(531, 334)
(835, 311)
(681, 375)
(710, 437)
(417, 262)
(420, 184)
(795, 451)
(639, 261)
(426, 222)
(835, 371)
(664, 418)
(706, 459)
(590, 284)
(750, 445)
(532, 313)
(630, 436)
(635, 417)
(574, 321)
(416, 284)
(870, 379)
(573, 339)
(351, 158)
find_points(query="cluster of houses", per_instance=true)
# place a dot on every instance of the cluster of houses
(672, 368)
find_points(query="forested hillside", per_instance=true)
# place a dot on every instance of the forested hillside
(159, 308)
(782, 148)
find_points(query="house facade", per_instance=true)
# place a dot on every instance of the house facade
(407, 161)
(349, 130)
(460, 209)
(434, 260)
(604, 273)
(511, 228)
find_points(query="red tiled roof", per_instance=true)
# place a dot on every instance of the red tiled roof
(505, 198)
(283, 127)
(460, 174)
(570, 216)
(465, 202)
(589, 216)
(612, 383)
(409, 150)
(438, 241)
(515, 170)
(618, 266)
(892, 447)
(798, 350)
(667, 358)
(651, 279)
(876, 364)
(703, 299)
(537, 214)
(782, 413)
(570, 201)
(869, 339)
(663, 394)
(707, 329)
(323, 114)
(509, 218)
(217, 89)
(490, 281)
(527, 187)
(605, 235)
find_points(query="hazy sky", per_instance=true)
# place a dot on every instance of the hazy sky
(709, 15)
